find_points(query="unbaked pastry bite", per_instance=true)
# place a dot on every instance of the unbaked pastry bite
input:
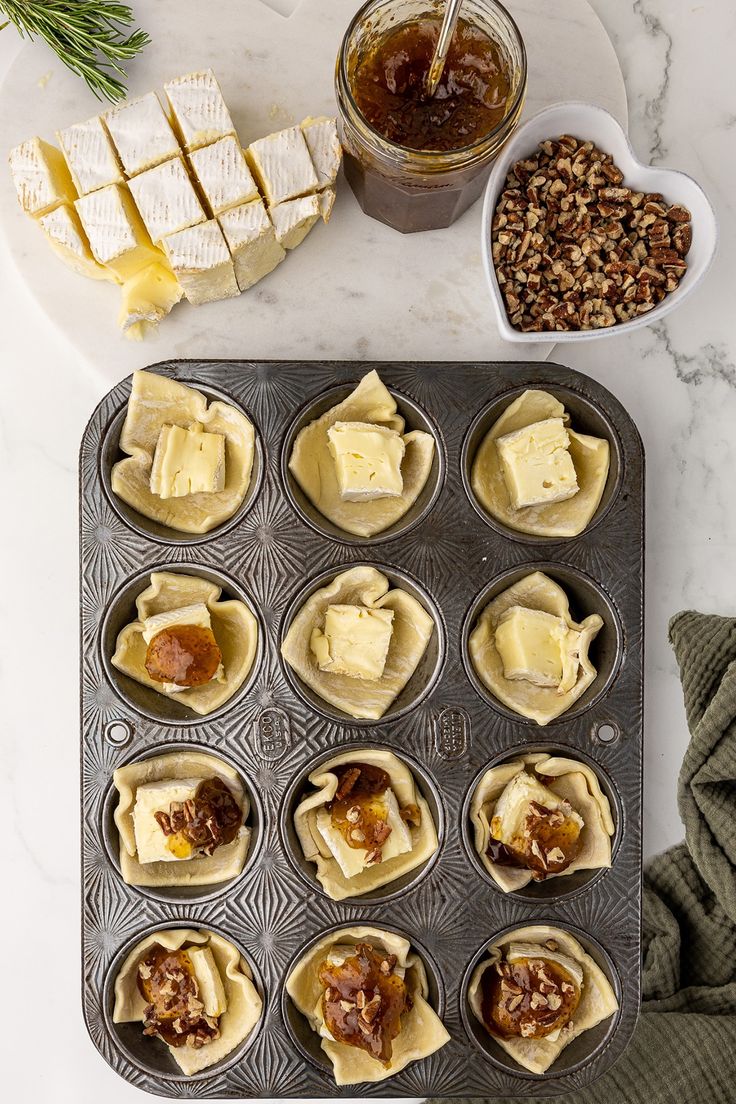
(181, 818)
(527, 650)
(537, 991)
(187, 643)
(356, 643)
(188, 464)
(365, 823)
(192, 990)
(356, 464)
(364, 992)
(538, 817)
(535, 474)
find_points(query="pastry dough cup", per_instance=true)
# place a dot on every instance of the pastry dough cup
(585, 418)
(183, 894)
(121, 611)
(584, 1047)
(422, 681)
(111, 454)
(415, 418)
(307, 869)
(561, 887)
(151, 1055)
(586, 597)
(428, 984)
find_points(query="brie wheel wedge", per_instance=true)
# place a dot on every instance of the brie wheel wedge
(41, 177)
(141, 133)
(324, 148)
(198, 110)
(90, 155)
(294, 219)
(282, 165)
(69, 241)
(251, 239)
(166, 199)
(223, 175)
(201, 261)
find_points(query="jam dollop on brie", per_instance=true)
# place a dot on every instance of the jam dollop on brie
(184, 995)
(532, 992)
(185, 655)
(532, 827)
(364, 999)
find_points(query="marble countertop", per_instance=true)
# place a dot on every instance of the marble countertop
(678, 380)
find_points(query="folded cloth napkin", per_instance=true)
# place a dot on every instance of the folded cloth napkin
(684, 1046)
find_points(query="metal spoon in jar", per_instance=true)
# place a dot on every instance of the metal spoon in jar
(447, 30)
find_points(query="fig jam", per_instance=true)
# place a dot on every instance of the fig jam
(470, 100)
(364, 1000)
(186, 655)
(527, 998)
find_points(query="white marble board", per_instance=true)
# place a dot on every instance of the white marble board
(355, 289)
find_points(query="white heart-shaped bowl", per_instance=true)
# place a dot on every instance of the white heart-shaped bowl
(589, 122)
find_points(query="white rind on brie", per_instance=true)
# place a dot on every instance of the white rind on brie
(141, 133)
(223, 175)
(324, 148)
(41, 177)
(90, 155)
(115, 230)
(198, 110)
(282, 165)
(201, 262)
(166, 199)
(294, 219)
(68, 240)
(251, 239)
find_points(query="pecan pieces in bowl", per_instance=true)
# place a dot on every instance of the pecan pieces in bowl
(574, 248)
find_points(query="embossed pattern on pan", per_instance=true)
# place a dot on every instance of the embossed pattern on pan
(272, 735)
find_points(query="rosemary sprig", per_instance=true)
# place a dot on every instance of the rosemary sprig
(88, 36)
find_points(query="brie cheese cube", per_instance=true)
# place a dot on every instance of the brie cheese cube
(326, 200)
(537, 465)
(147, 298)
(166, 199)
(282, 166)
(354, 642)
(198, 110)
(211, 989)
(69, 241)
(367, 460)
(41, 177)
(353, 860)
(202, 263)
(197, 614)
(293, 220)
(538, 647)
(117, 236)
(324, 148)
(141, 133)
(251, 240)
(90, 155)
(155, 797)
(514, 806)
(187, 461)
(223, 175)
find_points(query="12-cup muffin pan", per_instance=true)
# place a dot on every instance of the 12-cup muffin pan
(447, 727)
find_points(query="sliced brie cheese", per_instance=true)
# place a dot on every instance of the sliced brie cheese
(514, 806)
(354, 860)
(538, 647)
(293, 220)
(282, 166)
(211, 989)
(251, 239)
(141, 133)
(201, 262)
(324, 148)
(41, 177)
(536, 464)
(223, 175)
(115, 230)
(187, 461)
(354, 642)
(151, 843)
(90, 155)
(147, 298)
(198, 110)
(69, 241)
(367, 459)
(166, 199)
(326, 200)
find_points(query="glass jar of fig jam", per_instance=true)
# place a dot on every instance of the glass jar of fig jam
(415, 163)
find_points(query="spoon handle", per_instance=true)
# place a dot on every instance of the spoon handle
(447, 30)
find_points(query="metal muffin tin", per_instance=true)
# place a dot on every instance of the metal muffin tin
(445, 725)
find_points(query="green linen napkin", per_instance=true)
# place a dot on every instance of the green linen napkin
(684, 1046)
